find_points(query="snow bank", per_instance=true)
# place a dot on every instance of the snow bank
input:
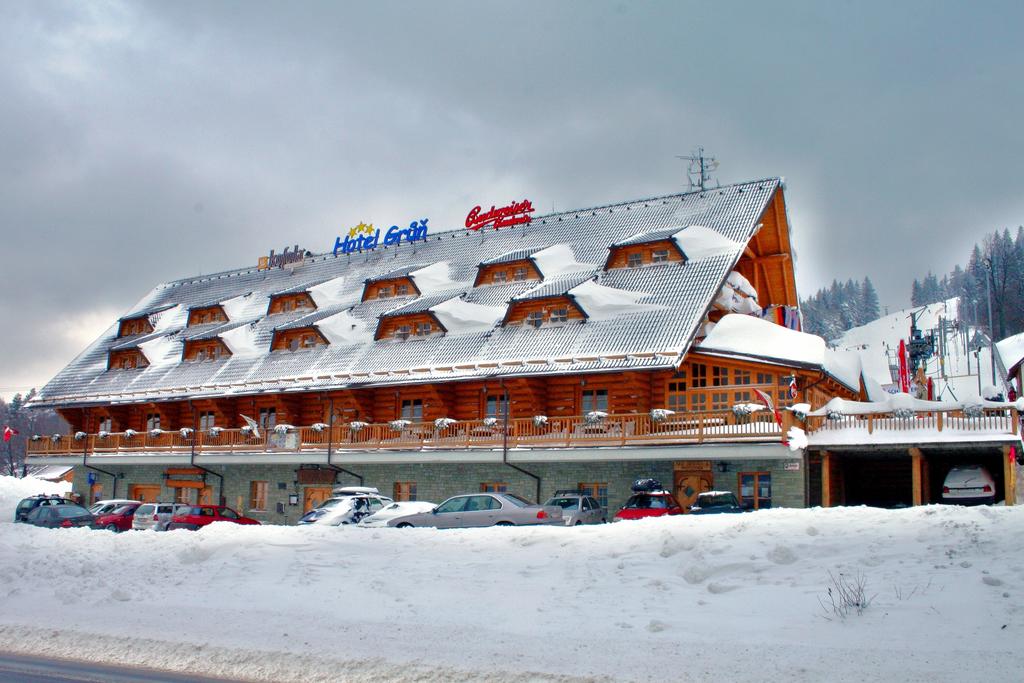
(433, 278)
(245, 306)
(344, 328)
(164, 350)
(241, 341)
(698, 242)
(330, 293)
(558, 259)
(461, 317)
(601, 302)
(319, 603)
(13, 489)
(741, 284)
(171, 319)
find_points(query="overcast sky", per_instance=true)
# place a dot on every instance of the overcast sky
(143, 142)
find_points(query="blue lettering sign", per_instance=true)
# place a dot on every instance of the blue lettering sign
(364, 236)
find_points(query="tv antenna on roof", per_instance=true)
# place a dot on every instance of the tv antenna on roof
(699, 171)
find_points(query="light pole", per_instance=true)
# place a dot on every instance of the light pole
(991, 331)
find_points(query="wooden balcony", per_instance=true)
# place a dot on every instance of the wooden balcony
(992, 422)
(557, 432)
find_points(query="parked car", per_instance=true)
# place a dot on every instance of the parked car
(195, 517)
(649, 499)
(353, 509)
(715, 502)
(338, 507)
(396, 509)
(578, 507)
(480, 510)
(118, 519)
(59, 516)
(29, 504)
(155, 516)
(102, 507)
(969, 485)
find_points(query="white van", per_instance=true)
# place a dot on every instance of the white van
(155, 516)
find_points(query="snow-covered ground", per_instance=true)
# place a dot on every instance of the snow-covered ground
(954, 374)
(719, 597)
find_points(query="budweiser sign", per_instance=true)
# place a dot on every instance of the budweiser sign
(515, 213)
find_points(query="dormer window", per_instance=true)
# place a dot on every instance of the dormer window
(297, 339)
(206, 315)
(126, 359)
(403, 332)
(503, 270)
(559, 315)
(423, 329)
(409, 326)
(535, 318)
(635, 254)
(520, 274)
(285, 303)
(544, 311)
(205, 350)
(635, 260)
(384, 293)
(389, 288)
(402, 290)
(133, 326)
(499, 277)
(659, 256)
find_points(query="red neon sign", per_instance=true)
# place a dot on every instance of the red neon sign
(515, 213)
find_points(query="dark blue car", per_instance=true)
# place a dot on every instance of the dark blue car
(715, 502)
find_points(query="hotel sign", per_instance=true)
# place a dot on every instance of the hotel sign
(515, 213)
(365, 236)
(282, 259)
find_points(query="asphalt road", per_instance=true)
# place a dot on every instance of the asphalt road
(24, 669)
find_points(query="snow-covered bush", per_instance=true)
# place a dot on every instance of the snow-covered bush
(399, 425)
(55, 438)
(247, 430)
(356, 426)
(130, 433)
(283, 428)
(103, 434)
(847, 595)
(835, 415)
(186, 432)
(490, 421)
(540, 420)
(595, 417)
(319, 427)
(215, 431)
(661, 414)
(800, 410)
(37, 437)
(80, 436)
(742, 410)
(156, 432)
(903, 413)
(443, 423)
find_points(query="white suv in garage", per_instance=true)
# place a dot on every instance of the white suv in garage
(969, 485)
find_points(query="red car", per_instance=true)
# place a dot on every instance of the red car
(197, 516)
(118, 519)
(649, 499)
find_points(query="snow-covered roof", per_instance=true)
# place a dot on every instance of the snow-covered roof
(755, 338)
(654, 311)
(1011, 350)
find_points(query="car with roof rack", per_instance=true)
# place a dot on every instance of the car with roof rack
(27, 505)
(578, 507)
(649, 499)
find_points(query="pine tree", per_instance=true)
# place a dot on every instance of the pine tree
(869, 302)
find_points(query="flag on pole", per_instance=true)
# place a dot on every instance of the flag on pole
(252, 425)
(904, 367)
(9, 432)
(766, 399)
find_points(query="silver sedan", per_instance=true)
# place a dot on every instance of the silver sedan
(482, 509)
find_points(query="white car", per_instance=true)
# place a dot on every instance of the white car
(350, 509)
(399, 509)
(102, 507)
(969, 485)
(156, 516)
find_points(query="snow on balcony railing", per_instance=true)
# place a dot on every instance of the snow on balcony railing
(489, 433)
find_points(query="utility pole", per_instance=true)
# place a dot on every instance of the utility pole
(991, 331)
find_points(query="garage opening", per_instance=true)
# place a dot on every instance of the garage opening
(939, 465)
(877, 481)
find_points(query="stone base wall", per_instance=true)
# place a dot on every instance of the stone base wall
(436, 482)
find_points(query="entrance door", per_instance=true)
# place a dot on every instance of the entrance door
(95, 493)
(147, 493)
(314, 497)
(689, 481)
(206, 495)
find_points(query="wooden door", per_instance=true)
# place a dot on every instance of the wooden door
(314, 497)
(95, 493)
(147, 493)
(688, 482)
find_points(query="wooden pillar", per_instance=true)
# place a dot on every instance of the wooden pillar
(916, 460)
(826, 479)
(1010, 475)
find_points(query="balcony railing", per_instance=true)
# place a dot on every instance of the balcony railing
(993, 421)
(556, 432)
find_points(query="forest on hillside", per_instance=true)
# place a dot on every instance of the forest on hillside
(992, 274)
(26, 422)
